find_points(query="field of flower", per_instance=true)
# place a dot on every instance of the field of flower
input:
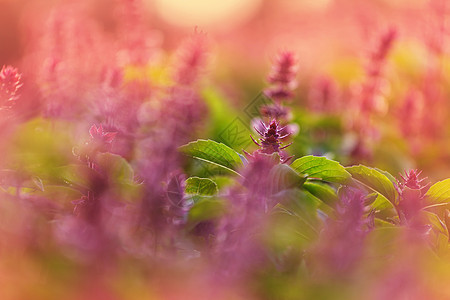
(244, 150)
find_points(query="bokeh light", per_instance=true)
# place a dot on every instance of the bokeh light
(207, 14)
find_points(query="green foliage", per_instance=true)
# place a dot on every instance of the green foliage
(283, 177)
(113, 170)
(120, 176)
(301, 207)
(40, 146)
(321, 168)
(206, 208)
(439, 192)
(75, 175)
(214, 153)
(378, 182)
(322, 191)
(201, 186)
(117, 167)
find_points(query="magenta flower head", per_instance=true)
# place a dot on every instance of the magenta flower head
(101, 140)
(9, 85)
(412, 191)
(97, 134)
(282, 77)
(271, 136)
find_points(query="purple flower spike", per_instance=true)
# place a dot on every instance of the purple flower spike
(271, 136)
(283, 77)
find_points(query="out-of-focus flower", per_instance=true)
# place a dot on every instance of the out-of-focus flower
(183, 112)
(191, 59)
(324, 95)
(9, 85)
(275, 111)
(97, 134)
(371, 99)
(341, 242)
(381, 51)
(368, 100)
(138, 44)
(100, 141)
(282, 77)
(411, 109)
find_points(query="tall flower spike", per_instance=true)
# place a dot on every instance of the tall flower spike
(371, 92)
(384, 45)
(282, 77)
(9, 85)
(191, 59)
(324, 95)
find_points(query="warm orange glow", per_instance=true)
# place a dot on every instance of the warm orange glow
(206, 13)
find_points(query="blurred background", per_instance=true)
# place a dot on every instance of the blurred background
(331, 38)
(371, 87)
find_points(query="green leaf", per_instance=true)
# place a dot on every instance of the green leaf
(322, 191)
(302, 206)
(76, 176)
(382, 223)
(387, 174)
(376, 181)
(381, 203)
(60, 194)
(283, 177)
(223, 181)
(293, 224)
(200, 186)
(39, 146)
(120, 175)
(321, 168)
(117, 167)
(439, 192)
(206, 209)
(214, 153)
(437, 223)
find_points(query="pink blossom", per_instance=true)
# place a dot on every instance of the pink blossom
(191, 59)
(97, 134)
(10, 82)
(282, 77)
